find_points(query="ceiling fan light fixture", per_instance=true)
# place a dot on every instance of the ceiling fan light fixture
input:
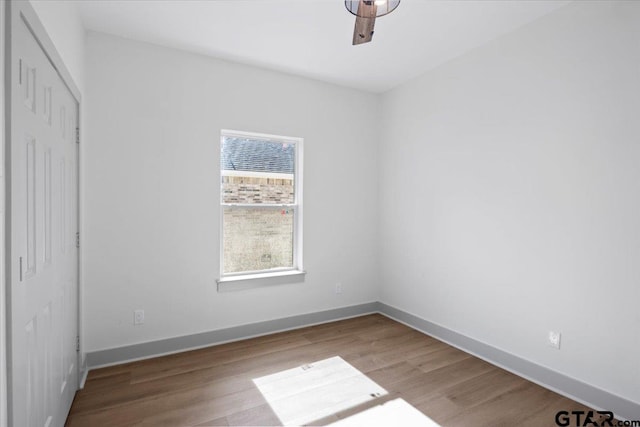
(383, 7)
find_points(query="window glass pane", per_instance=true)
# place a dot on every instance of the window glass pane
(256, 171)
(257, 239)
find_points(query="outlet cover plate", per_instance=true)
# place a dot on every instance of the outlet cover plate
(138, 317)
(553, 339)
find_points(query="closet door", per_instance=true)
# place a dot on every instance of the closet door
(43, 374)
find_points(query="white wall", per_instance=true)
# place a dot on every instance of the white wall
(509, 195)
(152, 180)
(62, 21)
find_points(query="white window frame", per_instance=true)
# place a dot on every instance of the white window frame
(251, 279)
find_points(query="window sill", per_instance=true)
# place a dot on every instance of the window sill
(250, 281)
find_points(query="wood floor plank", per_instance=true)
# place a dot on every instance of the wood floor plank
(513, 408)
(369, 361)
(214, 386)
(219, 422)
(445, 356)
(437, 381)
(261, 415)
(355, 410)
(439, 408)
(392, 374)
(204, 359)
(486, 386)
(105, 384)
(345, 329)
(194, 409)
(474, 391)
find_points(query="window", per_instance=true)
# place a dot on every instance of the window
(261, 206)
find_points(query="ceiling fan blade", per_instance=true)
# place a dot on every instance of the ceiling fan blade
(365, 21)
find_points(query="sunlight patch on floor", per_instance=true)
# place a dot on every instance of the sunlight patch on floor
(311, 392)
(395, 412)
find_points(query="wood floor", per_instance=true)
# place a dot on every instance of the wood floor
(213, 386)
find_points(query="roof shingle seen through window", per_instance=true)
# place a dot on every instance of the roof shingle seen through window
(243, 154)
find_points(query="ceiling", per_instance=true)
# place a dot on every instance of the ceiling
(312, 38)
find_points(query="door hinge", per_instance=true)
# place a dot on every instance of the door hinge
(77, 135)
(77, 239)
(77, 342)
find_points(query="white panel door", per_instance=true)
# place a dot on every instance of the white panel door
(43, 374)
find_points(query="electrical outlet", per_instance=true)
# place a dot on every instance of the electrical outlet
(553, 339)
(338, 288)
(138, 317)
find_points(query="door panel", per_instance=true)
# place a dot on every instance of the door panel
(43, 215)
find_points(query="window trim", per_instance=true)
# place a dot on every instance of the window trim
(250, 279)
